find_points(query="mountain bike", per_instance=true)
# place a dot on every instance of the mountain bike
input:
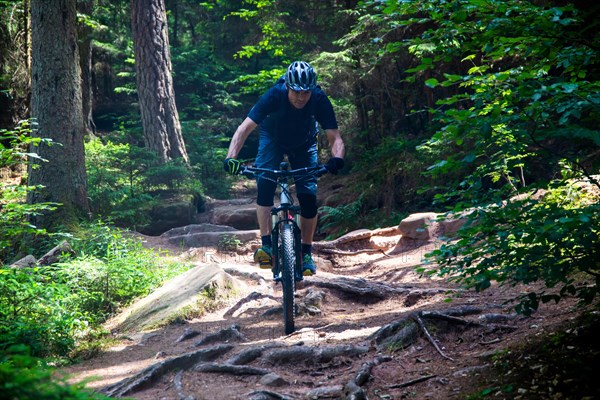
(285, 231)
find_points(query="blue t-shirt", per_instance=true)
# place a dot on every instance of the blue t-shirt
(289, 127)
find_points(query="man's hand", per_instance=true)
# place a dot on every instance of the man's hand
(232, 166)
(334, 165)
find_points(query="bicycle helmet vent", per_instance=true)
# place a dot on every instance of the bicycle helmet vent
(300, 76)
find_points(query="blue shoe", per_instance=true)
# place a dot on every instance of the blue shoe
(308, 266)
(262, 256)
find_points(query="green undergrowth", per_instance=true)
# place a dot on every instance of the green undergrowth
(558, 365)
(54, 309)
(25, 377)
(210, 299)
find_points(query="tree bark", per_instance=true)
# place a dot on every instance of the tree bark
(56, 108)
(85, 62)
(160, 120)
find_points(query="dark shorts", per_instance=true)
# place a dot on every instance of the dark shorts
(270, 156)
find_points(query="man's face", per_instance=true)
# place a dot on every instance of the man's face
(298, 99)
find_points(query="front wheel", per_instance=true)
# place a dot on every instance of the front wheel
(288, 263)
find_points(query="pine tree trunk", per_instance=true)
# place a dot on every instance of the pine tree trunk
(56, 107)
(85, 62)
(160, 120)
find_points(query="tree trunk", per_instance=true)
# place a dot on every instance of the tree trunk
(56, 107)
(174, 11)
(85, 61)
(160, 121)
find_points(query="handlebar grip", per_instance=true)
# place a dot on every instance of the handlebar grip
(244, 171)
(322, 171)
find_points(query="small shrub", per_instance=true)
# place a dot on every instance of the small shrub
(338, 220)
(25, 377)
(15, 227)
(554, 240)
(228, 243)
(111, 269)
(53, 309)
(116, 176)
(37, 312)
(170, 175)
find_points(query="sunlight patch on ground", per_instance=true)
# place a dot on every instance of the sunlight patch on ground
(316, 336)
(349, 334)
(105, 376)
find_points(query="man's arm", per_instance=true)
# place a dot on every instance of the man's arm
(336, 144)
(240, 136)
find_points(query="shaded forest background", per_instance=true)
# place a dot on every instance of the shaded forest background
(426, 95)
(485, 108)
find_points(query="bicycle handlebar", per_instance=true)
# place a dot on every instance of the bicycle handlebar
(250, 172)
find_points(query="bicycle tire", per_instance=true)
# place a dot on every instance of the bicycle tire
(288, 264)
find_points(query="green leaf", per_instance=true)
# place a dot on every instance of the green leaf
(432, 82)
(469, 158)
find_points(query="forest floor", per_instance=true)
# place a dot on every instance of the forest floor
(456, 344)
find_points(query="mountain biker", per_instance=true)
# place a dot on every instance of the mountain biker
(288, 114)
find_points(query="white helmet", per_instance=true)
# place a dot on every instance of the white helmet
(300, 76)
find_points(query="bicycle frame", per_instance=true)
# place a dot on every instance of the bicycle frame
(285, 213)
(285, 233)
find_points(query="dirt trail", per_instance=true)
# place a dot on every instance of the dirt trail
(427, 351)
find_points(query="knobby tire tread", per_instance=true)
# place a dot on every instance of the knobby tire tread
(288, 263)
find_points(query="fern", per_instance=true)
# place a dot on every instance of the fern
(341, 218)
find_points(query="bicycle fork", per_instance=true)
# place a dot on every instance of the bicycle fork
(286, 213)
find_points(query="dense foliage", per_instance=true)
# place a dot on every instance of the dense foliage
(487, 109)
(517, 115)
(50, 308)
(27, 378)
(56, 312)
(14, 212)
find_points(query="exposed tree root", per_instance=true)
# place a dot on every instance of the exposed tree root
(325, 392)
(353, 389)
(405, 332)
(231, 334)
(364, 373)
(250, 354)
(412, 382)
(447, 316)
(251, 297)
(372, 290)
(145, 377)
(230, 369)
(266, 395)
(312, 355)
(395, 335)
(178, 383)
(188, 334)
(421, 324)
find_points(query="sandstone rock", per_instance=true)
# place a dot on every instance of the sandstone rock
(239, 217)
(25, 262)
(429, 226)
(170, 215)
(273, 380)
(164, 304)
(418, 226)
(54, 255)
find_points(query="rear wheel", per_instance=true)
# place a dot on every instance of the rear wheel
(288, 263)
